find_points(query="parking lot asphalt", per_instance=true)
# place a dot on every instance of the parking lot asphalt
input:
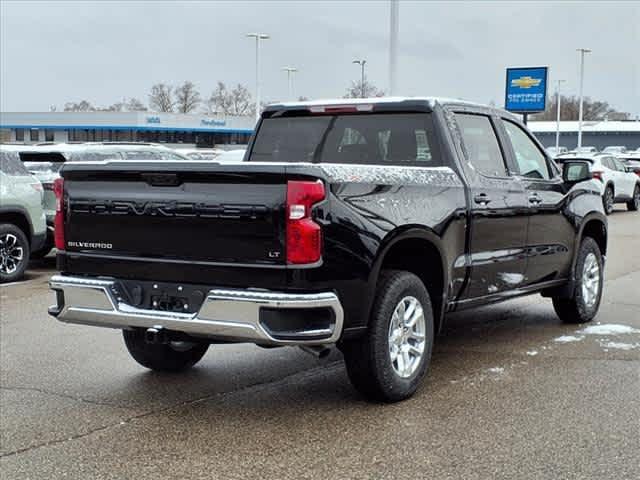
(512, 393)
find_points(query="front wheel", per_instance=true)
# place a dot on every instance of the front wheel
(583, 305)
(389, 362)
(634, 204)
(169, 357)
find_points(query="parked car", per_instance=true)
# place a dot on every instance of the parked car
(23, 226)
(617, 185)
(584, 150)
(615, 149)
(354, 223)
(200, 153)
(554, 152)
(231, 156)
(631, 161)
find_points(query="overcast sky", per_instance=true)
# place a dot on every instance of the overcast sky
(52, 52)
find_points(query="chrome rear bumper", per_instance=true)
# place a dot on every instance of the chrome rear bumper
(225, 314)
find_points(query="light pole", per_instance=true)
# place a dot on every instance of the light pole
(290, 71)
(393, 45)
(558, 100)
(361, 63)
(258, 37)
(582, 52)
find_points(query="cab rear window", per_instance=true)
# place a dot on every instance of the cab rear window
(387, 138)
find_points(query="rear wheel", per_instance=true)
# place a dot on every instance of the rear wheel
(169, 357)
(389, 362)
(583, 305)
(14, 253)
(634, 203)
(607, 200)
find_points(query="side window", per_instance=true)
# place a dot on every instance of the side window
(619, 165)
(481, 144)
(531, 161)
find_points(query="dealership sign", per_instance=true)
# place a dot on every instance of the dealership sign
(526, 89)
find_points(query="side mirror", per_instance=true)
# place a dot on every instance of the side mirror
(576, 171)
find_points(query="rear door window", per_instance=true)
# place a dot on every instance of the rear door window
(481, 144)
(388, 138)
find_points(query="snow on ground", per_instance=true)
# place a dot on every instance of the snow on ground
(619, 345)
(532, 353)
(567, 339)
(608, 329)
(496, 370)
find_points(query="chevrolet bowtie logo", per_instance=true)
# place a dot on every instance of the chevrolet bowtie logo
(526, 82)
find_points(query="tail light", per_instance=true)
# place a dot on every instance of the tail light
(304, 236)
(597, 176)
(58, 225)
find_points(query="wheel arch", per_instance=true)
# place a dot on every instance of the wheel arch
(398, 251)
(18, 217)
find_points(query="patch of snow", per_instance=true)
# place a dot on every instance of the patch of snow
(567, 339)
(532, 353)
(492, 289)
(609, 329)
(496, 370)
(619, 345)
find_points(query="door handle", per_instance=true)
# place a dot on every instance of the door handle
(535, 199)
(481, 199)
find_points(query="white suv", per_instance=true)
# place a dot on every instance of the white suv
(617, 185)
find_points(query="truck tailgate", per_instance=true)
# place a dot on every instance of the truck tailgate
(197, 212)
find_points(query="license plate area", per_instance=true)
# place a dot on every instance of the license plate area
(161, 296)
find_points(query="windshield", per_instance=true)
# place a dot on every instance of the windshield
(387, 138)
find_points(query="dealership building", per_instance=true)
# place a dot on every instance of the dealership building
(169, 128)
(598, 134)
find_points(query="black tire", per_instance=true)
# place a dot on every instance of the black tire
(13, 244)
(162, 357)
(45, 249)
(607, 200)
(368, 359)
(577, 309)
(634, 204)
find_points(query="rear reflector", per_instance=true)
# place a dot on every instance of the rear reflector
(58, 223)
(304, 236)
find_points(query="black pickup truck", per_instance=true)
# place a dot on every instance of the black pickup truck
(358, 224)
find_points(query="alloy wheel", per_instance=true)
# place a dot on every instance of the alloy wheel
(11, 253)
(407, 337)
(590, 280)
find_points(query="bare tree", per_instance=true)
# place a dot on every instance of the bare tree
(135, 105)
(231, 102)
(570, 106)
(116, 107)
(187, 97)
(366, 89)
(161, 98)
(81, 106)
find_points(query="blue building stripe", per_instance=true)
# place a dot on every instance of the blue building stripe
(134, 128)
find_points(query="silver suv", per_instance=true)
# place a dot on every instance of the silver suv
(23, 228)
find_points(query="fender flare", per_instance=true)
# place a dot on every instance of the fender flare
(17, 209)
(408, 232)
